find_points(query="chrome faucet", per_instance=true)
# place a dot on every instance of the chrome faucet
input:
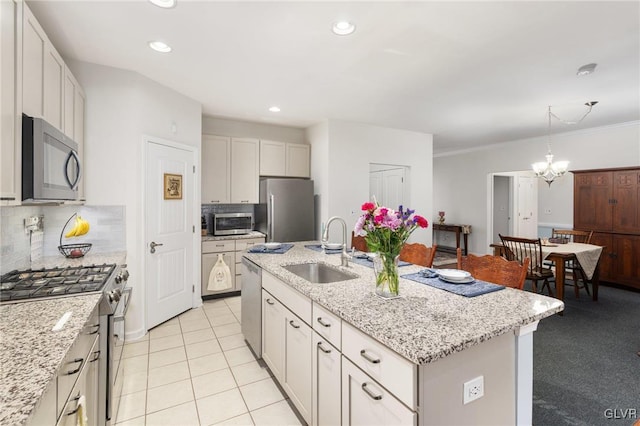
(344, 257)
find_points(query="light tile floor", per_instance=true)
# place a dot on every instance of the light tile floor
(196, 369)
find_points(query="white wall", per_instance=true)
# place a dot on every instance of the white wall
(460, 178)
(121, 107)
(237, 128)
(343, 178)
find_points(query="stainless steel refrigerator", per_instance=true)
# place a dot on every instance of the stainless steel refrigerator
(286, 210)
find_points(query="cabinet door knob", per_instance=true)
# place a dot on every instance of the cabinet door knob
(271, 302)
(368, 357)
(371, 394)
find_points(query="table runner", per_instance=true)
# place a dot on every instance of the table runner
(474, 289)
(369, 263)
(318, 247)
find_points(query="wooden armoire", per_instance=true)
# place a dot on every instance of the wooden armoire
(607, 201)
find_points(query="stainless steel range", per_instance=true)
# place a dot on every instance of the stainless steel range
(107, 279)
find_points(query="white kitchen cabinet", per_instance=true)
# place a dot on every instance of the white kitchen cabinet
(272, 158)
(34, 42)
(216, 169)
(53, 87)
(298, 364)
(9, 149)
(210, 251)
(298, 160)
(273, 335)
(365, 402)
(245, 170)
(74, 101)
(326, 383)
(242, 245)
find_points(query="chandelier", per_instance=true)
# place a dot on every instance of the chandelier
(550, 170)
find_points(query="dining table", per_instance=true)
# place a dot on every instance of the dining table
(587, 257)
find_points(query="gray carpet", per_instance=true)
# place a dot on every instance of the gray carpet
(586, 366)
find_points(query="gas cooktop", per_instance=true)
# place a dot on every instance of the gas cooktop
(31, 284)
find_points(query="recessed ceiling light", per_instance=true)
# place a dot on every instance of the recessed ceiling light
(343, 28)
(167, 4)
(274, 109)
(586, 69)
(160, 46)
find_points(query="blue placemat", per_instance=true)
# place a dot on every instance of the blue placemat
(368, 262)
(476, 288)
(318, 247)
(259, 248)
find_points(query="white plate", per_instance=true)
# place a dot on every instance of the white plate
(333, 246)
(467, 280)
(272, 246)
(454, 274)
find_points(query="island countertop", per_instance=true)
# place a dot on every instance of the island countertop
(425, 323)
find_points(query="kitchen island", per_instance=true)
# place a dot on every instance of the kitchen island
(446, 339)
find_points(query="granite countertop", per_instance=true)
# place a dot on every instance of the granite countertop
(252, 234)
(425, 323)
(30, 353)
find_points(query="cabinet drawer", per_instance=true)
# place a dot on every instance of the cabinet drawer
(218, 246)
(243, 244)
(327, 325)
(392, 371)
(296, 302)
(365, 402)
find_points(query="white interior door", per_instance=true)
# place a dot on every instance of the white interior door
(169, 189)
(375, 187)
(394, 188)
(527, 207)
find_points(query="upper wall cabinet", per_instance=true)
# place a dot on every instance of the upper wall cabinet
(216, 169)
(284, 159)
(245, 170)
(9, 152)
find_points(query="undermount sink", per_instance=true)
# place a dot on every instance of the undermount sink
(319, 273)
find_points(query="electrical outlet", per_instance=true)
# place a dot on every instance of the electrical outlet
(473, 389)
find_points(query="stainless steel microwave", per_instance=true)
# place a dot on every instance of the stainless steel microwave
(232, 223)
(50, 163)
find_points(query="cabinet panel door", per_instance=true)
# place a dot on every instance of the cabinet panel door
(245, 170)
(366, 403)
(69, 105)
(272, 158)
(298, 160)
(593, 208)
(273, 335)
(606, 258)
(208, 262)
(216, 162)
(626, 192)
(53, 87)
(33, 50)
(8, 184)
(326, 383)
(298, 364)
(627, 252)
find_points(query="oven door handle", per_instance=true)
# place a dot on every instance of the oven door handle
(126, 293)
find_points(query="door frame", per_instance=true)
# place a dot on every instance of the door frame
(513, 202)
(142, 244)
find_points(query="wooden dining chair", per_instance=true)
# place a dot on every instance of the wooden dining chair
(573, 270)
(358, 242)
(495, 269)
(516, 248)
(418, 254)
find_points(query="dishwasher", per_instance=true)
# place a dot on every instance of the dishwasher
(251, 302)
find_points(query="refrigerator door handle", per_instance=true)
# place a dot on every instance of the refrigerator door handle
(271, 222)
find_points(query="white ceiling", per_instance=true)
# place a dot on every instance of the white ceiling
(471, 73)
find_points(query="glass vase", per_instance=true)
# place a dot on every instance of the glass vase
(385, 266)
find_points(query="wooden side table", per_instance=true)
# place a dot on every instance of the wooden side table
(465, 230)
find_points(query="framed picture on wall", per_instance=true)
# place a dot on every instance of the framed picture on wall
(172, 187)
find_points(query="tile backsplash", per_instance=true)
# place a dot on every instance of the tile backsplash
(107, 233)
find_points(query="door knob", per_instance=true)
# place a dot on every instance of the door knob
(153, 246)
